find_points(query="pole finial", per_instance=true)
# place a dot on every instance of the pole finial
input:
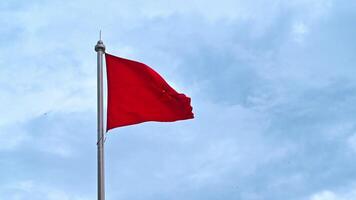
(100, 45)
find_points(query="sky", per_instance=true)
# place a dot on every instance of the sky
(272, 85)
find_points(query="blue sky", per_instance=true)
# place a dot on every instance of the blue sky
(272, 85)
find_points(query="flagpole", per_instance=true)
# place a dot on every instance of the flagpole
(100, 49)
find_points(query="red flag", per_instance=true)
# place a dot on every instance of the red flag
(136, 94)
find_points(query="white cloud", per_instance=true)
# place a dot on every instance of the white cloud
(299, 31)
(54, 74)
(347, 193)
(325, 195)
(53, 71)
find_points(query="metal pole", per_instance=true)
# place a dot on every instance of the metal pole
(100, 49)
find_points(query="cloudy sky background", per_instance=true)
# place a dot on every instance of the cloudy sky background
(272, 83)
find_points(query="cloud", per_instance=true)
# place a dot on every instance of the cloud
(51, 63)
(271, 82)
(346, 193)
(325, 195)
